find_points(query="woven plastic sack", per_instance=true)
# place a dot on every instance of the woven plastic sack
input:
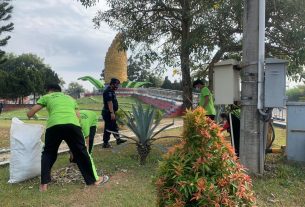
(25, 147)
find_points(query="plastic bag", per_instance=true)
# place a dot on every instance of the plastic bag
(26, 147)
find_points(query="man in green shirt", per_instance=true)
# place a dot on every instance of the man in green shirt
(206, 99)
(88, 122)
(63, 124)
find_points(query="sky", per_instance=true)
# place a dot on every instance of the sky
(63, 34)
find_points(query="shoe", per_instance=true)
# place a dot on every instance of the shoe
(107, 145)
(120, 141)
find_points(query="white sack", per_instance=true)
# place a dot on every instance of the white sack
(26, 147)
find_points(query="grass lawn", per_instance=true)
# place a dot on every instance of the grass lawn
(132, 185)
(91, 103)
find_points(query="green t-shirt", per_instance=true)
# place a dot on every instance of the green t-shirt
(87, 120)
(61, 109)
(210, 109)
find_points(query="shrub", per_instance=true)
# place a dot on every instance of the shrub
(202, 170)
(143, 124)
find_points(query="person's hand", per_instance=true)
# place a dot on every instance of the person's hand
(112, 116)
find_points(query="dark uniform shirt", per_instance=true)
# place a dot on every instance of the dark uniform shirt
(109, 95)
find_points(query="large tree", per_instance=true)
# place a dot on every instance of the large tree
(285, 34)
(137, 69)
(202, 32)
(74, 89)
(178, 28)
(24, 75)
(5, 14)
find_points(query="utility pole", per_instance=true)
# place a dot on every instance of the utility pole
(251, 140)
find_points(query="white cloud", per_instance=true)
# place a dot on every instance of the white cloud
(61, 32)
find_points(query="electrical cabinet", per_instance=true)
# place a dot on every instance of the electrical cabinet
(295, 131)
(227, 82)
(275, 83)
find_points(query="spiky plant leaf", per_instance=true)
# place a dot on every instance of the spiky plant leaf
(141, 123)
(140, 84)
(97, 83)
(124, 84)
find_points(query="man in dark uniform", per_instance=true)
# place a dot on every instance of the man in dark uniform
(110, 107)
(236, 129)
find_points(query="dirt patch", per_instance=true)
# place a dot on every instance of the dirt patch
(87, 195)
(4, 137)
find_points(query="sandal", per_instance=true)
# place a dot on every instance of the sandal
(105, 179)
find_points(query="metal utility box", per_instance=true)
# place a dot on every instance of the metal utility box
(227, 82)
(275, 83)
(295, 131)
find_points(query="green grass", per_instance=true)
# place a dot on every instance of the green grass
(282, 185)
(132, 185)
(91, 103)
(280, 137)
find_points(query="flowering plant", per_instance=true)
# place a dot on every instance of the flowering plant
(202, 170)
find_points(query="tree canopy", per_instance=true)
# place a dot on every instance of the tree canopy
(74, 89)
(24, 75)
(177, 28)
(5, 14)
(195, 34)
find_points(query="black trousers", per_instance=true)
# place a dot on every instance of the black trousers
(91, 137)
(73, 136)
(109, 125)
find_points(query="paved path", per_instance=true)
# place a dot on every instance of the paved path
(4, 156)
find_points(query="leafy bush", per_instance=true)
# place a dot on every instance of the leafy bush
(202, 170)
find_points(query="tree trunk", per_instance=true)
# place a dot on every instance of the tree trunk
(250, 124)
(185, 58)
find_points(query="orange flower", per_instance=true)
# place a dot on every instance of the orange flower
(198, 163)
(205, 134)
(196, 196)
(222, 182)
(160, 182)
(179, 203)
(201, 184)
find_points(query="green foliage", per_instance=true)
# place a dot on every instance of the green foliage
(74, 89)
(120, 116)
(202, 170)
(97, 83)
(134, 84)
(141, 122)
(24, 75)
(5, 14)
(296, 94)
(138, 69)
(159, 114)
(179, 30)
